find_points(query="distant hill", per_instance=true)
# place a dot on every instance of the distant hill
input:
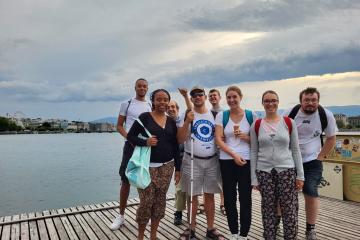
(350, 110)
(112, 120)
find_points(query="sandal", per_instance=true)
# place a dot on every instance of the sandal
(213, 234)
(200, 209)
(187, 235)
(222, 210)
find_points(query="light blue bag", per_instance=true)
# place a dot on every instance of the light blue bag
(137, 170)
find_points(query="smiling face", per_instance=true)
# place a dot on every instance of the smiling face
(161, 101)
(233, 99)
(172, 109)
(141, 88)
(198, 98)
(270, 102)
(309, 102)
(214, 98)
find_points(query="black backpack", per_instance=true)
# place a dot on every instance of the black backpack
(322, 115)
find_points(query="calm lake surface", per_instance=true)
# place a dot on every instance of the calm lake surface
(51, 171)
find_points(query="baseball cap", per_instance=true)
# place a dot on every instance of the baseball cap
(196, 89)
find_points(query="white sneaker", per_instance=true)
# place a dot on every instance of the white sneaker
(242, 238)
(234, 237)
(118, 222)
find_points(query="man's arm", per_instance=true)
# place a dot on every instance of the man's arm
(328, 146)
(183, 131)
(120, 126)
(183, 92)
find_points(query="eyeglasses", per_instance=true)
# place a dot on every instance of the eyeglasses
(270, 101)
(310, 100)
(194, 95)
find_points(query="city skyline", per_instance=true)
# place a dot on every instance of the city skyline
(79, 60)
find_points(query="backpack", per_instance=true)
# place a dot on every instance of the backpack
(322, 115)
(226, 117)
(286, 119)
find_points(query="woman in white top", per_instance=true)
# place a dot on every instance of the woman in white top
(276, 167)
(232, 137)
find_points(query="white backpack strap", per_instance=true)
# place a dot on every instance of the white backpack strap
(147, 132)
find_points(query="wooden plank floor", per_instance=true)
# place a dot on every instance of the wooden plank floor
(337, 220)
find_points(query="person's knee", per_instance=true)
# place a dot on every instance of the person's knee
(125, 187)
(209, 195)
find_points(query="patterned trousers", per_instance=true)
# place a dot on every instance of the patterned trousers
(153, 198)
(279, 187)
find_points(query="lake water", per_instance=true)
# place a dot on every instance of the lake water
(51, 171)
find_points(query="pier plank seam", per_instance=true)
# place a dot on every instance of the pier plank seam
(24, 228)
(67, 225)
(76, 226)
(105, 228)
(337, 220)
(90, 221)
(1, 227)
(101, 221)
(15, 229)
(86, 228)
(60, 228)
(33, 228)
(111, 213)
(43, 232)
(53, 235)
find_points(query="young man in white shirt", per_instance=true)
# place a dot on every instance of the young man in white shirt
(199, 124)
(129, 112)
(310, 127)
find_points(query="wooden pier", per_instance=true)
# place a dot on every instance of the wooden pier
(337, 220)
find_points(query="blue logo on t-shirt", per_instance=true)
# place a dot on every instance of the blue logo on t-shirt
(204, 130)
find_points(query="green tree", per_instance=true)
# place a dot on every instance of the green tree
(7, 125)
(340, 124)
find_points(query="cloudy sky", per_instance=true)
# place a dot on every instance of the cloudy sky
(79, 59)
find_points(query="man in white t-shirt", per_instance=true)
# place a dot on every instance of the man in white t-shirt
(214, 99)
(199, 124)
(310, 119)
(129, 112)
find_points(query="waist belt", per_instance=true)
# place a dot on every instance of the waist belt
(201, 157)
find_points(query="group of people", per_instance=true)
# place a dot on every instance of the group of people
(229, 152)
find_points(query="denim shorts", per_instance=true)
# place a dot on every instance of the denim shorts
(127, 153)
(313, 174)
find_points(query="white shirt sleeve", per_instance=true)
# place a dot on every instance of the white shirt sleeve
(219, 119)
(123, 107)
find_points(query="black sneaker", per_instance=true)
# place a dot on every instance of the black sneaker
(178, 217)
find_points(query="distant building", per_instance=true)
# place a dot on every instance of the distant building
(32, 123)
(101, 127)
(82, 126)
(58, 123)
(354, 121)
(342, 118)
(72, 127)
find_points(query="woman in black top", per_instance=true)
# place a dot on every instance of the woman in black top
(164, 156)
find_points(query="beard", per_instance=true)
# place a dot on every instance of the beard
(309, 111)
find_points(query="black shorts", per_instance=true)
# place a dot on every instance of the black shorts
(313, 174)
(127, 153)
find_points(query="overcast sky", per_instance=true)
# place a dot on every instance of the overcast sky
(79, 59)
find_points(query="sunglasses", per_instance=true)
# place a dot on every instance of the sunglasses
(194, 95)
